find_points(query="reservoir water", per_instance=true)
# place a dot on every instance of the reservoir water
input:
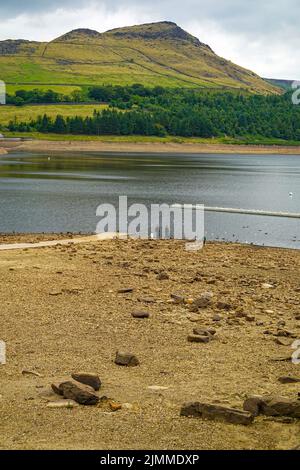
(60, 193)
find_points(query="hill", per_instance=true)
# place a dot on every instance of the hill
(152, 54)
(285, 84)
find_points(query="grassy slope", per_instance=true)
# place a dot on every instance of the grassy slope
(82, 59)
(25, 113)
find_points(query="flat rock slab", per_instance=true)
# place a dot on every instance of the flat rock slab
(86, 378)
(78, 393)
(289, 380)
(126, 359)
(125, 290)
(204, 331)
(216, 412)
(198, 339)
(272, 406)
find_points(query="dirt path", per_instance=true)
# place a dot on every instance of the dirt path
(145, 147)
(62, 242)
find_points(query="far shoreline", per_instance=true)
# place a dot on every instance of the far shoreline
(66, 146)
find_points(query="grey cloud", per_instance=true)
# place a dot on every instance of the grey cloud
(250, 26)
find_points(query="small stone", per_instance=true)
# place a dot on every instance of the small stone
(114, 406)
(224, 306)
(286, 358)
(126, 359)
(216, 412)
(125, 290)
(193, 318)
(177, 299)
(283, 341)
(198, 339)
(31, 372)
(217, 317)
(265, 285)
(55, 292)
(163, 276)
(147, 300)
(289, 380)
(250, 318)
(86, 378)
(157, 388)
(204, 331)
(140, 314)
(62, 404)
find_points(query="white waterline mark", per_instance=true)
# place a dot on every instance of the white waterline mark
(2, 352)
(159, 221)
(2, 92)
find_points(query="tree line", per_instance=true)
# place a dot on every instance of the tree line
(137, 110)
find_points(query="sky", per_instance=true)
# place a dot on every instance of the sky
(261, 35)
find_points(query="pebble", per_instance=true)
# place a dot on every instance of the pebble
(62, 404)
(55, 292)
(31, 372)
(163, 276)
(125, 290)
(140, 314)
(126, 359)
(217, 317)
(198, 339)
(265, 285)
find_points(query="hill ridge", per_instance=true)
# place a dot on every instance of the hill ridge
(160, 53)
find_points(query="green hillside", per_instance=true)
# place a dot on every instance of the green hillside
(152, 54)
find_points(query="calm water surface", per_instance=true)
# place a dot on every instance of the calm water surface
(59, 193)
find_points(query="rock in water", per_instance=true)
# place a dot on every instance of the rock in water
(216, 412)
(93, 380)
(78, 393)
(126, 359)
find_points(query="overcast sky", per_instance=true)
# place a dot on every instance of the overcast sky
(262, 35)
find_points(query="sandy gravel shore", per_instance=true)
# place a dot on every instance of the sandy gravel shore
(61, 312)
(146, 147)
